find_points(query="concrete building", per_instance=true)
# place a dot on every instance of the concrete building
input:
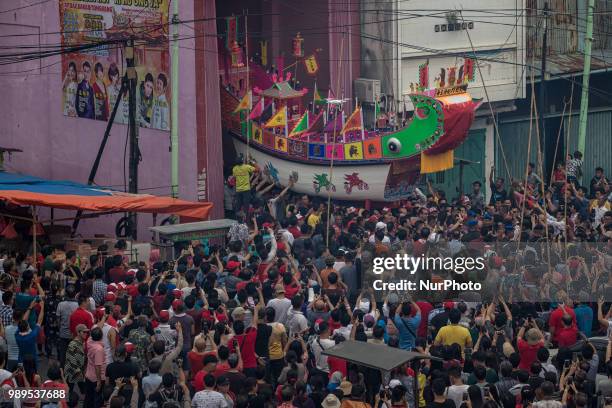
(60, 147)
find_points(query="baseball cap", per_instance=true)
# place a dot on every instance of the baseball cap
(112, 287)
(164, 316)
(178, 294)
(231, 265)
(449, 305)
(81, 328)
(100, 312)
(394, 383)
(131, 272)
(380, 225)
(176, 303)
(299, 216)
(129, 347)
(122, 286)
(110, 297)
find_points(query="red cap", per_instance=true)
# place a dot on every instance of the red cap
(231, 265)
(110, 297)
(267, 225)
(176, 303)
(281, 246)
(122, 286)
(129, 347)
(178, 294)
(373, 218)
(131, 272)
(100, 312)
(112, 287)
(449, 305)
(164, 316)
(33, 292)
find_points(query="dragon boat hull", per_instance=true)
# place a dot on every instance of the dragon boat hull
(347, 182)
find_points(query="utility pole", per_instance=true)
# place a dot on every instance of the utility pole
(174, 143)
(542, 97)
(133, 125)
(584, 103)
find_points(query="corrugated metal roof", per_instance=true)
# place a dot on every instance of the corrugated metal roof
(559, 64)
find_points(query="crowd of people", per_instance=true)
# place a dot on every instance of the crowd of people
(248, 323)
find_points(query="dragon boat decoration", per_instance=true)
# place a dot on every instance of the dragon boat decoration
(272, 127)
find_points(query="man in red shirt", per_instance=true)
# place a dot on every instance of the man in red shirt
(245, 340)
(529, 346)
(568, 334)
(425, 307)
(554, 322)
(81, 315)
(117, 273)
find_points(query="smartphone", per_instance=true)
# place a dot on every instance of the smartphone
(566, 364)
(466, 396)
(486, 392)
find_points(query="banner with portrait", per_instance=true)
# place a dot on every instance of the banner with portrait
(92, 75)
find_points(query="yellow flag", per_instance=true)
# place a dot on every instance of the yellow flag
(279, 118)
(311, 64)
(245, 103)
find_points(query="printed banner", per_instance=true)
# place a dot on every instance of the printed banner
(92, 77)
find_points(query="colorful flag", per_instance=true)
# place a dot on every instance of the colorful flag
(264, 52)
(245, 103)
(468, 70)
(318, 124)
(279, 118)
(424, 75)
(354, 122)
(231, 34)
(301, 126)
(258, 109)
(311, 64)
(267, 113)
(318, 99)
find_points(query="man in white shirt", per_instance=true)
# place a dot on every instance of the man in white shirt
(457, 388)
(320, 343)
(280, 304)
(208, 397)
(296, 321)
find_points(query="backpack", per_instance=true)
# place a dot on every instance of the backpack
(168, 400)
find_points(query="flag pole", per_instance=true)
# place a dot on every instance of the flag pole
(314, 96)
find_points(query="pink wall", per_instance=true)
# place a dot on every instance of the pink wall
(59, 147)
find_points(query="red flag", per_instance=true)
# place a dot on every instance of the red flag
(468, 70)
(257, 109)
(424, 75)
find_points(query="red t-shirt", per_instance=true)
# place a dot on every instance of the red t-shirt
(198, 380)
(291, 290)
(60, 386)
(566, 336)
(80, 316)
(295, 231)
(196, 362)
(528, 353)
(158, 302)
(426, 307)
(246, 342)
(132, 290)
(221, 369)
(337, 364)
(555, 319)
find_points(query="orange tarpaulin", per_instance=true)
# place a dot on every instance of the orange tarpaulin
(119, 202)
